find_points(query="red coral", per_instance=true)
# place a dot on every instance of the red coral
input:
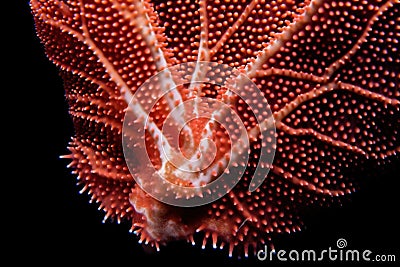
(328, 69)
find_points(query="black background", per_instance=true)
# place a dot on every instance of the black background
(58, 225)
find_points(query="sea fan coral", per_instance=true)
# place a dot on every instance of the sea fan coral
(313, 86)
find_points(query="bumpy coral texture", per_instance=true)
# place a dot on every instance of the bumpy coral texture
(329, 70)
